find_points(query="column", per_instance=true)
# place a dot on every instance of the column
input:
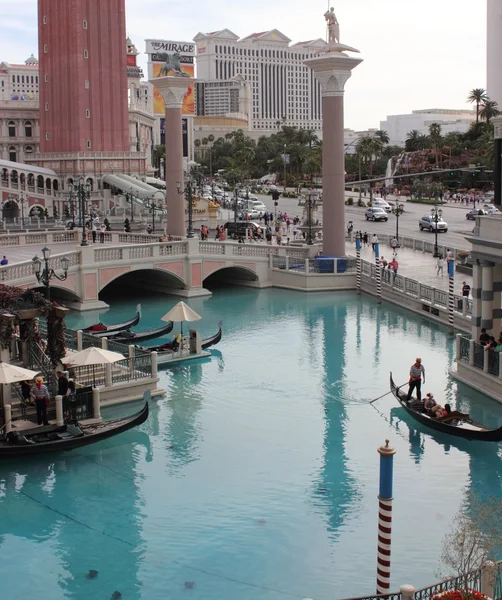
(487, 295)
(476, 300)
(332, 70)
(173, 90)
(497, 300)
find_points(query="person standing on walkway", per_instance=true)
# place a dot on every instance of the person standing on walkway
(417, 371)
(440, 266)
(40, 394)
(374, 241)
(365, 238)
(102, 231)
(466, 290)
(4, 261)
(394, 266)
(394, 244)
(94, 232)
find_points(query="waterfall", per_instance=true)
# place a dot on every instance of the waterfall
(389, 172)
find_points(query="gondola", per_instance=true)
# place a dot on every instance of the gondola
(102, 330)
(136, 336)
(206, 343)
(457, 424)
(54, 438)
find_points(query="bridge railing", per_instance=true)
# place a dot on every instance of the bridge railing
(24, 270)
(38, 237)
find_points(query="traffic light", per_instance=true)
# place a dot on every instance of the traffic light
(275, 197)
(452, 174)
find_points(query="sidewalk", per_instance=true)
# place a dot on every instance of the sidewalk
(416, 265)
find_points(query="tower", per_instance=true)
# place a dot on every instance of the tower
(83, 76)
(494, 50)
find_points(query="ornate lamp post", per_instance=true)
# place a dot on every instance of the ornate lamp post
(398, 210)
(188, 192)
(82, 193)
(154, 205)
(130, 198)
(436, 214)
(45, 275)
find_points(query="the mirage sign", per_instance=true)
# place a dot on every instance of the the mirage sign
(166, 58)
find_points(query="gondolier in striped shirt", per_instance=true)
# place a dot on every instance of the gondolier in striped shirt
(40, 394)
(417, 371)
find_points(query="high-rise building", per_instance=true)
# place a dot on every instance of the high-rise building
(494, 50)
(283, 90)
(83, 76)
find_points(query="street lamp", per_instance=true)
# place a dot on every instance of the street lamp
(153, 205)
(284, 160)
(82, 193)
(398, 210)
(45, 275)
(310, 203)
(130, 198)
(188, 192)
(436, 214)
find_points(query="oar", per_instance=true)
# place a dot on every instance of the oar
(387, 393)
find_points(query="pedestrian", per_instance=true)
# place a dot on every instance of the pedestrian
(417, 371)
(63, 386)
(94, 232)
(394, 266)
(394, 244)
(365, 238)
(466, 290)
(40, 394)
(102, 231)
(374, 241)
(449, 255)
(4, 261)
(440, 265)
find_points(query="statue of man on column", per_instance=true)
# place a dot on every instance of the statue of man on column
(333, 26)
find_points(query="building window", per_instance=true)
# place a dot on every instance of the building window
(44, 20)
(88, 144)
(46, 48)
(28, 150)
(46, 106)
(46, 77)
(84, 24)
(12, 154)
(12, 129)
(28, 129)
(46, 135)
(86, 84)
(86, 54)
(87, 114)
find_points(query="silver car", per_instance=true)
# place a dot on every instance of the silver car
(428, 222)
(376, 214)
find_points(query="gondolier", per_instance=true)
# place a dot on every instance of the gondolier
(40, 394)
(417, 371)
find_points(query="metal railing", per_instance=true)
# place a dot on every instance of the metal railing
(465, 349)
(471, 581)
(493, 362)
(479, 356)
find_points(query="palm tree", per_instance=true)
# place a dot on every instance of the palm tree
(197, 144)
(383, 136)
(412, 141)
(435, 136)
(369, 149)
(477, 95)
(489, 109)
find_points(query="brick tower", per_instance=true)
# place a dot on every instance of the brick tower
(83, 76)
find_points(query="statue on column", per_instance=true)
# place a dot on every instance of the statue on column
(333, 26)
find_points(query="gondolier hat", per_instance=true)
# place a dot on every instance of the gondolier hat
(39, 379)
(418, 360)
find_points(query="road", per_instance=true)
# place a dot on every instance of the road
(458, 226)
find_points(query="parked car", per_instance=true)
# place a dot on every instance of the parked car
(475, 212)
(490, 209)
(379, 203)
(376, 214)
(429, 223)
(238, 229)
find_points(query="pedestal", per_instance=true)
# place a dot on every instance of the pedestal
(173, 90)
(332, 70)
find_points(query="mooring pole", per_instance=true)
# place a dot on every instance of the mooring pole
(385, 517)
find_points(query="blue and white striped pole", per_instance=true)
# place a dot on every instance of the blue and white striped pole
(358, 263)
(451, 294)
(385, 517)
(378, 274)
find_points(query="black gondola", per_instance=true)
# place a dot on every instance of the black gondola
(101, 330)
(457, 424)
(136, 336)
(54, 438)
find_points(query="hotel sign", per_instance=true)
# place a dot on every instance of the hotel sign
(161, 46)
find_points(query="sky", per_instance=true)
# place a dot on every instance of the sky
(417, 54)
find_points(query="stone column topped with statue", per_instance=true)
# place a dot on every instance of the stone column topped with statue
(333, 67)
(173, 89)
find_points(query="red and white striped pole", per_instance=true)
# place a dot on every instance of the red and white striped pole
(378, 273)
(385, 517)
(358, 264)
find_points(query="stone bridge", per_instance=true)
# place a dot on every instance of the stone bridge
(177, 267)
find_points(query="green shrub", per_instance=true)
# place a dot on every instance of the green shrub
(127, 226)
(107, 225)
(350, 201)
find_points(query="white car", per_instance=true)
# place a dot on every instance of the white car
(491, 210)
(252, 213)
(379, 203)
(257, 205)
(376, 214)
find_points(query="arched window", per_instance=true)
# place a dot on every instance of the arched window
(22, 179)
(55, 185)
(28, 131)
(13, 154)
(5, 175)
(31, 180)
(14, 176)
(28, 150)
(12, 129)
(48, 183)
(40, 182)
(90, 183)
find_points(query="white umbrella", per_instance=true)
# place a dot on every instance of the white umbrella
(11, 373)
(92, 356)
(181, 312)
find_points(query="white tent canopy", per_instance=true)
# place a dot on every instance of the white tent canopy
(12, 374)
(92, 356)
(181, 312)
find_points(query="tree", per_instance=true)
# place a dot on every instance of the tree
(108, 226)
(210, 139)
(476, 537)
(55, 212)
(478, 96)
(369, 149)
(127, 226)
(159, 153)
(383, 136)
(435, 136)
(489, 109)
(414, 141)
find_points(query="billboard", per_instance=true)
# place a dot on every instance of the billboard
(169, 58)
(184, 133)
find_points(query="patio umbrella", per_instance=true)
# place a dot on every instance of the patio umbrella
(12, 374)
(181, 312)
(92, 356)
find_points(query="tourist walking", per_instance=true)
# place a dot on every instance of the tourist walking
(4, 261)
(102, 231)
(374, 241)
(365, 238)
(394, 244)
(40, 394)
(417, 371)
(466, 290)
(94, 232)
(394, 266)
(440, 266)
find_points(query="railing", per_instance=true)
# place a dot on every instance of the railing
(78, 406)
(479, 356)
(493, 362)
(465, 349)
(471, 581)
(211, 248)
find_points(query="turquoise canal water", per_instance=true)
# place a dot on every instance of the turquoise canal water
(256, 476)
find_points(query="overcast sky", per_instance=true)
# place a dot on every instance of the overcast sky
(417, 54)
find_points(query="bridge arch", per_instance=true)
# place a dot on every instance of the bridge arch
(148, 279)
(231, 274)
(59, 293)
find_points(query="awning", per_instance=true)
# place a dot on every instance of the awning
(140, 190)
